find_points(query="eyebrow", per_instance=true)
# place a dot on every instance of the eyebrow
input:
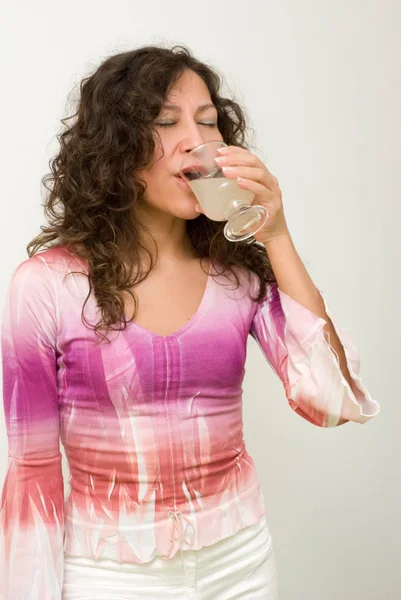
(200, 108)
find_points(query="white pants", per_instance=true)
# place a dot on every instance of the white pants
(240, 567)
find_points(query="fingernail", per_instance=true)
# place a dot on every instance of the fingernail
(197, 208)
(222, 150)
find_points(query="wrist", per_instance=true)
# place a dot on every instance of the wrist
(280, 239)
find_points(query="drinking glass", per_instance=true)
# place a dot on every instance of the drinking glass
(221, 198)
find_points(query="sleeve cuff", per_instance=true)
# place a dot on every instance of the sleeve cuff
(310, 357)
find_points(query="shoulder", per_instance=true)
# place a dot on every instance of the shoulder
(43, 268)
(59, 258)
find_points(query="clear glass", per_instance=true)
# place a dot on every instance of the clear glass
(221, 198)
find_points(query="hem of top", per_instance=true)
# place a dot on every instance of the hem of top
(202, 514)
(252, 518)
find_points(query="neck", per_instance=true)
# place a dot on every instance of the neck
(166, 234)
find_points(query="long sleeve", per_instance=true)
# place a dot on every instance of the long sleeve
(293, 341)
(32, 500)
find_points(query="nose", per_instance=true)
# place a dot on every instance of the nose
(192, 138)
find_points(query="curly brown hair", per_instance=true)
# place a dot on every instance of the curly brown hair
(92, 186)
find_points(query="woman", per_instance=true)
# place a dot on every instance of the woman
(125, 336)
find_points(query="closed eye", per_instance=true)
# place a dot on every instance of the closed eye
(174, 123)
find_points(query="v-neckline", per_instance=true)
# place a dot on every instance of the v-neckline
(189, 323)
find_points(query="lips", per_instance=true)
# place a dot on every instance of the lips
(194, 168)
(182, 181)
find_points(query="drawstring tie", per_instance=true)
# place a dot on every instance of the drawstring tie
(178, 518)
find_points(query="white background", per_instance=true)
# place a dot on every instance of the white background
(320, 82)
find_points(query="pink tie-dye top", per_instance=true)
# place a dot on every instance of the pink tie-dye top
(151, 425)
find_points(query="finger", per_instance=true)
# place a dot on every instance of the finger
(235, 158)
(229, 150)
(237, 153)
(246, 172)
(260, 174)
(252, 186)
(226, 150)
(255, 173)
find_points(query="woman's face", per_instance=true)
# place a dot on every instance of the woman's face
(181, 128)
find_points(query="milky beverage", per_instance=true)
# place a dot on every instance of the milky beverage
(216, 196)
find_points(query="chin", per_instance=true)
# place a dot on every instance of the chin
(187, 215)
(192, 217)
(185, 209)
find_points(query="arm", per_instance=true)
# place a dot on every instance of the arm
(294, 280)
(32, 501)
(291, 327)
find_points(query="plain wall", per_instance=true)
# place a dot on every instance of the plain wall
(320, 82)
